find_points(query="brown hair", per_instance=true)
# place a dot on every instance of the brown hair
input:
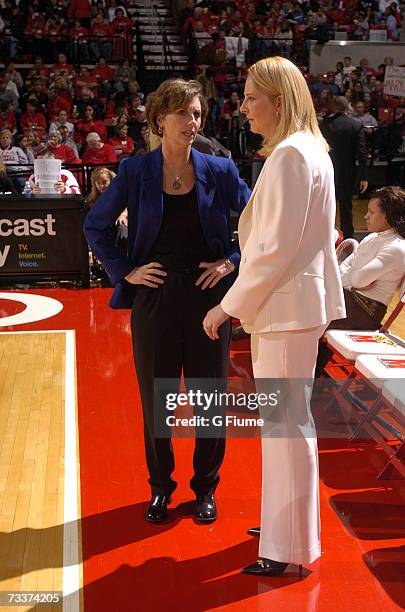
(392, 201)
(172, 95)
(95, 175)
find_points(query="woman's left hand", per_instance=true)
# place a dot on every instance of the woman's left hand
(213, 320)
(214, 272)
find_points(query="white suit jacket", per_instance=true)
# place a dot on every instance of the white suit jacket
(289, 277)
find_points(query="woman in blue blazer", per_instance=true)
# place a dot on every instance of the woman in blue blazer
(180, 262)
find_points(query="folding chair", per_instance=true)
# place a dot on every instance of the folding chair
(346, 248)
(351, 344)
(377, 370)
(394, 393)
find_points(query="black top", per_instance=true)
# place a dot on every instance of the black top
(180, 243)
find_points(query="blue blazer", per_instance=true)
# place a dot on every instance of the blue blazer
(138, 187)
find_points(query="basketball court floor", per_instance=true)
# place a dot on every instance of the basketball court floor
(73, 487)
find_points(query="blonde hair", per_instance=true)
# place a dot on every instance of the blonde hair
(172, 95)
(277, 76)
(94, 191)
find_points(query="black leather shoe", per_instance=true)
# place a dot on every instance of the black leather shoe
(267, 567)
(205, 508)
(255, 531)
(157, 509)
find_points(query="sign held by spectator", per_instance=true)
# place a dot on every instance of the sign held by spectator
(47, 173)
(394, 81)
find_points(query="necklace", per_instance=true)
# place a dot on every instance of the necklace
(177, 183)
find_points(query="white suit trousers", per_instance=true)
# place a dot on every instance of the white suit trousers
(290, 522)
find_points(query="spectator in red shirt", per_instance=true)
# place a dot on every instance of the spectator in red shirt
(62, 68)
(86, 79)
(98, 152)
(89, 124)
(104, 75)
(34, 18)
(122, 143)
(336, 14)
(198, 15)
(34, 120)
(62, 88)
(120, 119)
(7, 117)
(121, 26)
(378, 99)
(61, 151)
(382, 25)
(101, 31)
(80, 10)
(37, 30)
(230, 109)
(103, 71)
(55, 104)
(67, 139)
(54, 30)
(40, 93)
(39, 70)
(136, 102)
(79, 43)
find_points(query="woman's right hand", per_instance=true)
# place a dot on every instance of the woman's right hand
(148, 275)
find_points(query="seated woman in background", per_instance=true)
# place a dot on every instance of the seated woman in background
(100, 181)
(373, 273)
(122, 144)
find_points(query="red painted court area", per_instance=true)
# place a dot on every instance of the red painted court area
(179, 565)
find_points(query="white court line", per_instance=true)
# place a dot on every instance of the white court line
(71, 563)
(36, 331)
(38, 308)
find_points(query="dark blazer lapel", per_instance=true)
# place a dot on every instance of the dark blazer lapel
(205, 182)
(152, 185)
(150, 213)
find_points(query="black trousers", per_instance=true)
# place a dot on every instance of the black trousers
(344, 196)
(168, 338)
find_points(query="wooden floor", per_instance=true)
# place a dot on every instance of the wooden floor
(32, 396)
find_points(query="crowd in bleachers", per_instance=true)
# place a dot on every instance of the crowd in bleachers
(228, 35)
(273, 25)
(79, 95)
(83, 115)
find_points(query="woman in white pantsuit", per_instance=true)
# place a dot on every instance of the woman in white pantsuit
(287, 292)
